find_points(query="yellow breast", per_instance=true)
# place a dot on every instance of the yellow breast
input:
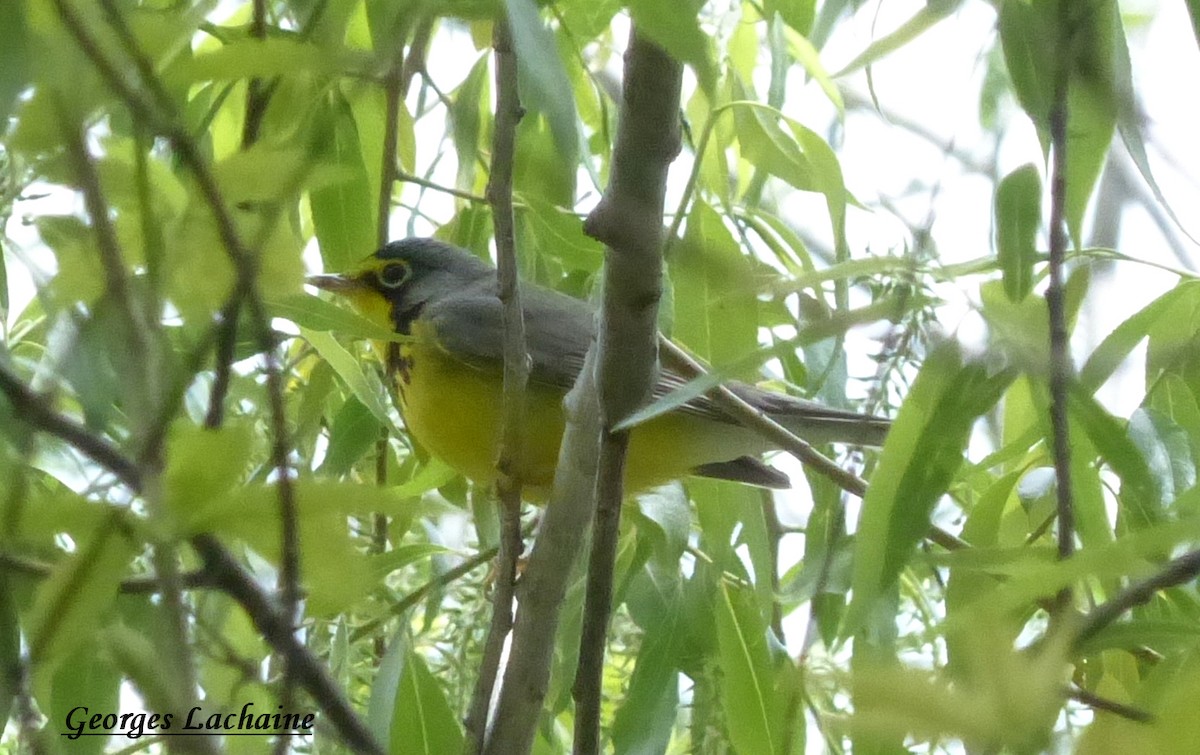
(454, 410)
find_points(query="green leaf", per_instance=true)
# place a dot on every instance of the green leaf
(342, 209)
(922, 453)
(351, 373)
(1091, 121)
(1167, 450)
(558, 234)
(204, 463)
(675, 26)
(715, 301)
(1018, 211)
(70, 603)
(86, 679)
(314, 313)
(1142, 494)
(10, 645)
(809, 59)
(385, 688)
(922, 21)
(250, 57)
(422, 721)
(797, 14)
(545, 86)
(355, 430)
(14, 65)
(469, 104)
(646, 716)
(383, 564)
(671, 516)
(753, 710)
(1170, 309)
(1028, 33)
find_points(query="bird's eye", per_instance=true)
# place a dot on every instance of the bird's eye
(393, 275)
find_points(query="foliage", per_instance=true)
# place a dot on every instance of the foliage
(170, 170)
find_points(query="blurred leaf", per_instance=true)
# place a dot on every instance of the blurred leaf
(80, 588)
(671, 517)
(1028, 33)
(385, 687)
(351, 373)
(1129, 120)
(922, 453)
(383, 564)
(1018, 212)
(1009, 699)
(342, 216)
(922, 21)
(545, 86)
(313, 313)
(559, 234)
(141, 662)
(646, 715)
(1175, 400)
(1141, 492)
(1167, 451)
(264, 58)
(753, 709)
(797, 14)
(466, 115)
(14, 63)
(715, 302)
(1117, 345)
(422, 721)
(10, 645)
(675, 27)
(1193, 7)
(809, 59)
(354, 431)
(204, 463)
(86, 678)
(1091, 120)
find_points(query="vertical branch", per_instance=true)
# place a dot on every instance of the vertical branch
(516, 377)
(1060, 354)
(629, 221)
(258, 94)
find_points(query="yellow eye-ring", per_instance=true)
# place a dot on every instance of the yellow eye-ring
(393, 275)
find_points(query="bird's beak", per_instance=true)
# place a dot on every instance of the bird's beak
(338, 284)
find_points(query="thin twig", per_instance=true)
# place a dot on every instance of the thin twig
(276, 629)
(258, 92)
(1096, 702)
(1060, 355)
(516, 377)
(406, 177)
(35, 411)
(1176, 572)
(755, 419)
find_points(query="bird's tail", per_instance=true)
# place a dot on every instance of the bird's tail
(815, 423)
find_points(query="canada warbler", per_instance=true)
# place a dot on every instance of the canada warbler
(449, 377)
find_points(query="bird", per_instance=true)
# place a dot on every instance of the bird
(448, 371)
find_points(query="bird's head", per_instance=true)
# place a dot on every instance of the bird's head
(392, 285)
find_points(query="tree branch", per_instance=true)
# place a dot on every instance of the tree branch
(628, 220)
(516, 377)
(1060, 355)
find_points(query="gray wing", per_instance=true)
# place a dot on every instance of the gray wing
(559, 330)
